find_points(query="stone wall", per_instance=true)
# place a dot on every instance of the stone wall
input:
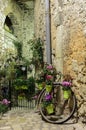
(68, 39)
(75, 48)
(22, 18)
(27, 28)
(8, 8)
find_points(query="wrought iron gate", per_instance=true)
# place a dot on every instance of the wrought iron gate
(20, 98)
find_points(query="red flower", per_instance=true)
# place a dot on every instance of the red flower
(49, 77)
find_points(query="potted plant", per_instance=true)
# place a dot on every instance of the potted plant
(66, 89)
(50, 75)
(40, 81)
(49, 80)
(48, 105)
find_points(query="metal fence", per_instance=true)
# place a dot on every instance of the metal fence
(23, 104)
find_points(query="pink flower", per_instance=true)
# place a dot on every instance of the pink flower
(65, 83)
(5, 101)
(48, 77)
(50, 67)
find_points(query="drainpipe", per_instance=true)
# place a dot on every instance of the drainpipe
(48, 32)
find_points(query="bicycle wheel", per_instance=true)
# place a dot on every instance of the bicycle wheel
(63, 109)
(39, 96)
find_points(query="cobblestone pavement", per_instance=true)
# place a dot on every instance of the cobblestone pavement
(29, 120)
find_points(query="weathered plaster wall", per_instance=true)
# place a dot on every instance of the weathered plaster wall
(40, 22)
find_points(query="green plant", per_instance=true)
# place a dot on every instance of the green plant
(31, 84)
(10, 71)
(3, 108)
(2, 72)
(4, 105)
(36, 45)
(20, 84)
(18, 46)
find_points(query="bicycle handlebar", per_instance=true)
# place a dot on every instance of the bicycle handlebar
(57, 83)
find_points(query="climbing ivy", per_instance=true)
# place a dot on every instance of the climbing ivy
(18, 46)
(36, 45)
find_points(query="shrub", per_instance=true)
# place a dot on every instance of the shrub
(4, 104)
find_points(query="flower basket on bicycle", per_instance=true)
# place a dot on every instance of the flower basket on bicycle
(50, 108)
(66, 94)
(48, 88)
(66, 89)
(47, 104)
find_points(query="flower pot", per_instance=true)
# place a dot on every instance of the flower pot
(66, 94)
(40, 86)
(50, 109)
(48, 88)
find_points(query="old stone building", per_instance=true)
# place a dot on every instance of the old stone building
(61, 24)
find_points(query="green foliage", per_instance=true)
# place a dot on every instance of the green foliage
(31, 83)
(22, 84)
(18, 83)
(37, 51)
(2, 72)
(18, 46)
(3, 108)
(24, 88)
(10, 71)
(40, 78)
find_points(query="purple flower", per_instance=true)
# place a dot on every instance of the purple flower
(67, 84)
(48, 97)
(5, 101)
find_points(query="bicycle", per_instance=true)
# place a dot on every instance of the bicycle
(62, 108)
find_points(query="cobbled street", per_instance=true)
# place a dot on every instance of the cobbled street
(30, 120)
